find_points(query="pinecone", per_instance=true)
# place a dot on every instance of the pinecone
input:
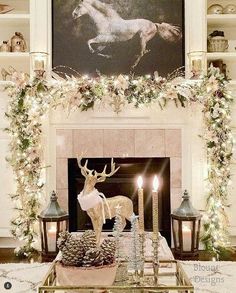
(93, 257)
(63, 237)
(108, 249)
(72, 252)
(89, 240)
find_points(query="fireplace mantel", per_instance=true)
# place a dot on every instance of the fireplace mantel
(146, 132)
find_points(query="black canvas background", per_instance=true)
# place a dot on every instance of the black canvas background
(70, 38)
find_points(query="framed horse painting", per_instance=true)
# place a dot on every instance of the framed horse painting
(118, 36)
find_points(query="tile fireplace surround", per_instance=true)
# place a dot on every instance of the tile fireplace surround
(119, 143)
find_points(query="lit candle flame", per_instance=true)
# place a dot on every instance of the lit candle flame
(52, 228)
(155, 183)
(140, 182)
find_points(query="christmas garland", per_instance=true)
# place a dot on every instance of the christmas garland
(30, 100)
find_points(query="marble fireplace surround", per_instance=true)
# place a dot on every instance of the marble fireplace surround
(119, 143)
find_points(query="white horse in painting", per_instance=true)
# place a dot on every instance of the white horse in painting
(113, 28)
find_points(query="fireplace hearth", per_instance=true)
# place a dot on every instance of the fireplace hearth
(123, 182)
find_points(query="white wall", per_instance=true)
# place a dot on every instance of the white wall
(189, 120)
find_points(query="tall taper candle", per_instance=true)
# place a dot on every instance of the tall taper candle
(140, 204)
(155, 235)
(155, 205)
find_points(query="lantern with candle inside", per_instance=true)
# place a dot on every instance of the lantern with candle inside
(53, 220)
(186, 223)
(39, 63)
(197, 63)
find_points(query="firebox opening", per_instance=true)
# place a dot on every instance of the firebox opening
(123, 182)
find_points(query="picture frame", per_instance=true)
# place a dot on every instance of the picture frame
(117, 37)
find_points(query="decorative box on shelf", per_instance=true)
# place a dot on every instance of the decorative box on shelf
(174, 279)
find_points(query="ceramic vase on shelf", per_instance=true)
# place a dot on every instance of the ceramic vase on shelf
(5, 47)
(18, 43)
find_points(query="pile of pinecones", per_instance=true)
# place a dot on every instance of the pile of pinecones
(83, 251)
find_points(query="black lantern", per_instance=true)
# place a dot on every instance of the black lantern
(52, 220)
(186, 222)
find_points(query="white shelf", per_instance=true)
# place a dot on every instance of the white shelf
(222, 20)
(14, 54)
(221, 55)
(14, 19)
(15, 16)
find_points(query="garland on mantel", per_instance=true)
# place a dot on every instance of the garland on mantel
(30, 100)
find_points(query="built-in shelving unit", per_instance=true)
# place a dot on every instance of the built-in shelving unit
(16, 20)
(226, 23)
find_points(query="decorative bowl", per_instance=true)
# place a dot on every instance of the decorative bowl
(85, 276)
(217, 44)
(4, 8)
(215, 9)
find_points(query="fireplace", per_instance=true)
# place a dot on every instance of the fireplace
(123, 182)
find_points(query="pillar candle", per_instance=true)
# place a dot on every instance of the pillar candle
(52, 237)
(39, 64)
(187, 238)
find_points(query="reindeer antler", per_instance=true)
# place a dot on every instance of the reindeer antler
(84, 169)
(103, 175)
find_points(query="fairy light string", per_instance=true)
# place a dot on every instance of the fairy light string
(31, 99)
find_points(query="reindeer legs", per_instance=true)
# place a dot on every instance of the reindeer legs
(97, 221)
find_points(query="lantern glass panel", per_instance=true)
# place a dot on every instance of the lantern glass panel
(176, 232)
(42, 224)
(197, 228)
(187, 230)
(51, 228)
(63, 226)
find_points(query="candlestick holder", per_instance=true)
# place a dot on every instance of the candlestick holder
(155, 261)
(39, 64)
(135, 258)
(39, 73)
(142, 252)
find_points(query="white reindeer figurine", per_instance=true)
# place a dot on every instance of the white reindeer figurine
(96, 205)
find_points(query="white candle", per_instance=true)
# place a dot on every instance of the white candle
(187, 236)
(140, 204)
(39, 63)
(52, 237)
(155, 205)
(196, 65)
